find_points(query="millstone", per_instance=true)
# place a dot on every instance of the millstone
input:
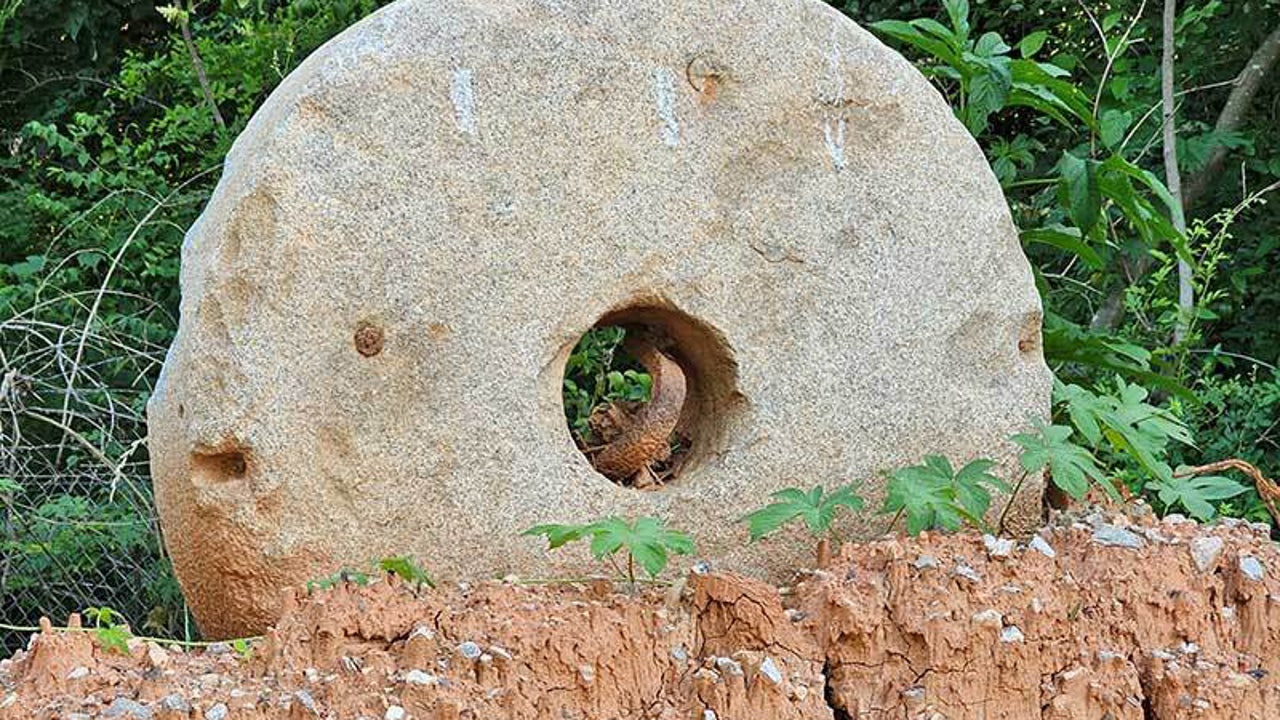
(421, 222)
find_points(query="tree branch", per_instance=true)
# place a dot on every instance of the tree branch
(1233, 115)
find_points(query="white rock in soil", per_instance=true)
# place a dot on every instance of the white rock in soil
(1251, 568)
(926, 561)
(769, 669)
(216, 712)
(395, 712)
(997, 547)
(1011, 634)
(1117, 537)
(418, 677)
(1205, 551)
(469, 650)
(1042, 546)
(988, 618)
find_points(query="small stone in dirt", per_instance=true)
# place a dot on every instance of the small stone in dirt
(218, 648)
(1042, 546)
(1177, 519)
(395, 712)
(422, 631)
(306, 700)
(1162, 655)
(729, 666)
(78, 672)
(769, 669)
(500, 652)
(1261, 528)
(988, 618)
(997, 547)
(966, 572)
(1116, 537)
(1011, 634)
(1188, 648)
(1205, 551)
(156, 655)
(926, 561)
(1230, 522)
(217, 712)
(708, 715)
(1251, 568)
(126, 708)
(174, 702)
(679, 653)
(469, 650)
(587, 673)
(702, 567)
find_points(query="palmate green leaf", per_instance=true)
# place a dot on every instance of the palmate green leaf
(405, 567)
(1197, 494)
(934, 495)
(648, 541)
(816, 510)
(1126, 421)
(558, 535)
(113, 638)
(1071, 467)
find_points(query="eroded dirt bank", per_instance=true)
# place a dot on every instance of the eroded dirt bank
(1105, 616)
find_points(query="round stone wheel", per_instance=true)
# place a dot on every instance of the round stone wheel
(419, 224)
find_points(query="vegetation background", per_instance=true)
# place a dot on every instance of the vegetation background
(115, 116)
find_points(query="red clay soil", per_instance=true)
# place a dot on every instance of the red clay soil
(1129, 619)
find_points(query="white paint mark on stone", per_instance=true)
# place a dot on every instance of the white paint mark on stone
(833, 130)
(664, 92)
(833, 127)
(462, 93)
(833, 55)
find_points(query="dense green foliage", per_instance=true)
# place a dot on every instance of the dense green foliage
(109, 147)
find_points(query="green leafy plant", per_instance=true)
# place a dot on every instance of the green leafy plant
(935, 495)
(1071, 467)
(817, 509)
(646, 541)
(242, 648)
(341, 577)
(1124, 425)
(407, 569)
(1196, 494)
(110, 629)
(599, 372)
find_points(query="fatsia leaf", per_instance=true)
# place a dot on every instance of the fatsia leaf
(933, 495)
(1197, 494)
(1071, 467)
(558, 535)
(405, 567)
(816, 510)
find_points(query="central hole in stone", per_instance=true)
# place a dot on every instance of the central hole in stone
(625, 391)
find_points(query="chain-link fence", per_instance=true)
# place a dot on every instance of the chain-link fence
(77, 523)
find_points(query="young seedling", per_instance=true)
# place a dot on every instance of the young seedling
(109, 629)
(934, 495)
(817, 511)
(407, 569)
(343, 576)
(646, 540)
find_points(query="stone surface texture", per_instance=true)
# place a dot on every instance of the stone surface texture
(415, 229)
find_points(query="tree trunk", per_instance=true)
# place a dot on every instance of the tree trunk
(1173, 178)
(1231, 118)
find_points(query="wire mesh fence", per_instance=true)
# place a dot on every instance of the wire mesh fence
(77, 523)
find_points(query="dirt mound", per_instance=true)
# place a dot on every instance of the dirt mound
(1101, 616)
